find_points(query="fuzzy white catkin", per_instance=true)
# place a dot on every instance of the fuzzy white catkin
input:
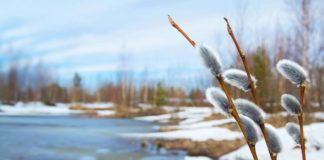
(210, 59)
(218, 99)
(291, 104)
(275, 144)
(294, 132)
(292, 71)
(251, 129)
(250, 110)
(238, 78)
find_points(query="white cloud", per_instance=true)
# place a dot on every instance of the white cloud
(17, 32)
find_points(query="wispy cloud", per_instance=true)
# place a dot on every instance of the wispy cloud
(17, 32)
(88, 36)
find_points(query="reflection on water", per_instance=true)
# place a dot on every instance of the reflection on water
(66, 137)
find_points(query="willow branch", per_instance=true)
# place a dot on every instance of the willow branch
(233, 110)
(252, 87)
(176, 26)
(235, 114)
(266, 139)
(253, 151)
(241, 54)
(301, 121)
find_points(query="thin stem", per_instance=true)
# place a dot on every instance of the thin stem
(241, 54)
(176, 26)
(233, 110)
(266, 138)
(253, 151)
(252, 87)
(273, 156)
(301, 122)
(235, 114)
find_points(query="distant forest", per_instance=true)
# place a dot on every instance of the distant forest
(304, 44)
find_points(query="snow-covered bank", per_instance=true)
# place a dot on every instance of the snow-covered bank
(194, 126)
(189, 114)
(98, 105)
(38, 108)
(199, 134)
(105, 113)
(315, 146)
(197, 158)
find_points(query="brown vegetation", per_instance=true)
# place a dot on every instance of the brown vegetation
(210, 148)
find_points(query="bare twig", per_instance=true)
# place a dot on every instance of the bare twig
(176, 26)
(233, 110)
(241, 54)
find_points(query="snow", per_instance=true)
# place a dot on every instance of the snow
(189, 114)
(105, 112)
(36, 108)
(199, 134)
(319, 115)
(313, 134)
(154, 118)
(98, 105)
(197, 158)
(194, 127)
(206, 124)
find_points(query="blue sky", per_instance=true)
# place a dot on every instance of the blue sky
(91, 36)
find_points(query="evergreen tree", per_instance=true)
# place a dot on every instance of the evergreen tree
(261, 69)
(160, 95)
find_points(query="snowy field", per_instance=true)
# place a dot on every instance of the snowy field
(38, 108)
(194, 127)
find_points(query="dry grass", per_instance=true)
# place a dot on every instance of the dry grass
(214, 116)
(83, 108)
(129, 112)
(210, 148)
(279, 121)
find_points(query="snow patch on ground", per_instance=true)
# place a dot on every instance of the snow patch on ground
(319, 115)
(36, 108)
(197, 158)
(192, 127)
(189, 114)
(313, 133)
(199, 134)
(97, 105)
(105, 113)
(205, 124)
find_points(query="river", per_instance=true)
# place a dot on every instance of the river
(75, 138)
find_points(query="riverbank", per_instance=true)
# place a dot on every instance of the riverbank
(200, 132)
(76, 138)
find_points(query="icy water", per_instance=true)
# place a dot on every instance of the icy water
(74, 138)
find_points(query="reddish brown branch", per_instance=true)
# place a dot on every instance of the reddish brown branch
(241, 54)
(236, 116)
(233, 110)
(254, 154)
(252, 86)
(301, 121)
(176, 26)
(266, 139)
